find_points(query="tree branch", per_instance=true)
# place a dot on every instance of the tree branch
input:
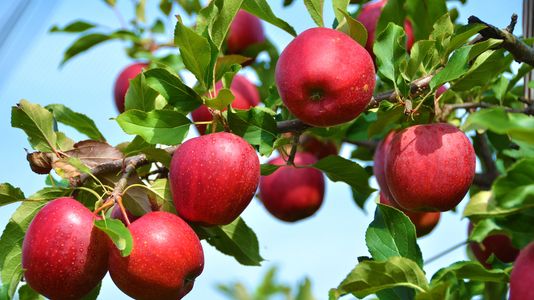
(485, 180)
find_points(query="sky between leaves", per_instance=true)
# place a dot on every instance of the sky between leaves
(324, 247)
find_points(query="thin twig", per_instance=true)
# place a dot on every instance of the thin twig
(369, 144)
(447, 251)
(294, 146)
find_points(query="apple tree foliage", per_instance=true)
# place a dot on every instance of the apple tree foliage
(484, 98)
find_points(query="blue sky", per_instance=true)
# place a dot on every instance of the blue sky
(324, 247)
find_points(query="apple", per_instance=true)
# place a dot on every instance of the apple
(424, 222)
(318, 147)
(430, 167)
(63, 255)
(379, 161)
(213, 178)
(246, 96)
(291, 193)
(123, 82)
(164, 262)
(369, 15)
(499, 245)
(117, 214)
(324, 77)
(246, 30)
(522, 277)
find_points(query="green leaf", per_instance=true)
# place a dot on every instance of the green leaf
(93, 295)
(338, 168)
(486, 67)
(462, 35)
(11, 244)
(389, 51)
(27, 293)
(516, 187)
(162, 192)
(110, 2)
(118, 233)
(222, 100)
(37, 123)
(387, 119)
(443, 29)
(369, 277)
(305, 291)
(76, 120)
(83, 44)
(392, 12)
(235, 239)
(139, 95)
(166, 127)
(423, 14)
(197, 53)
(518, 126)
(76, 26)
(472, 271)
(140, 10)
(354, 29)
(315, 9)
(10, 194)
(226, 64)
(255, 125)
(392, 234)
(340, 6)
(268, 169)
(455, 68)
(227, 10)
(50, 193)
(171, 87)
(424, 58)
(262, 10)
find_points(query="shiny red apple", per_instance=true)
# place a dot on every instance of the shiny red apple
(291, 193)
(164, 262)
(379, 161)
(499, 245)
(246, 30)
(123, 82)
(213, 178)
(63, 255)
(324, 77)
(522, 277)
(320, 148)
(430, 167)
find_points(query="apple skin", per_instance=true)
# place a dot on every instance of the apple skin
(213, 178)
(324, 77)
(442, 89)
(430, 167)
(369, 16)
(245, 31)
(165, 260)
(318, 148)
(424, 222)
(117, 214)
(64, 256)
(522, 277)
(379, 161)
(123, 82)
(499, 245)
(249, 90)
(292, 194)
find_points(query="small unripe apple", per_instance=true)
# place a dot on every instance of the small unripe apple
(379, 161)
(246, 30)
(324, 77)
(499, 245)
(165, 260)
(318, 147)
(424, 222)
(369, 16)
(63, 255)
(522, 277)
(291, 193)
(430, 167)
(213, 178)
(117, 214)
(123, 82)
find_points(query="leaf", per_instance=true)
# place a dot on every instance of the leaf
(389, 51)
(162, 194)
(118, 233)
(83, 44)
(262, 10)
(518, 126)
(166, 127)
(93, 295)
(64, 143)
(424, 58)
(454, 69)
(462, 35)
(338, 168)
(10, 194)
(49, 193)
(197, 53)
(392, 234)
(423, 14)
(340, 6)
(256, 126)
(27, 293)
(11, 244)
(305, 291)
(315, 9)
(354, 29)
(268, 169)
(225, 64)
(369, 277)
(222, 100)
(516, 187)
(392, 12)
(177, 94)
(227, 10)
(76, 120)
(37, 123)
(235, 239)
(76, 26)
(486, 67)
(110, 2)
(140, 10)
(472, 271)
(139, 95)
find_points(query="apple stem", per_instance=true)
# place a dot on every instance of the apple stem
(123, 210)
(104, 206)
(294, 145)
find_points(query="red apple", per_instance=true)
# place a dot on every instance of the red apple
(246, 30)
(123, 82)
(318, 147)
(290, 193)
(522, 277)
(64, 256)
(243, 86)
(430, 167)
(165, 260)
(424, 222)
(499, 245)
(379, 161)
(213, 178)
(117, 214)
(324, 77)
(369, 16)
